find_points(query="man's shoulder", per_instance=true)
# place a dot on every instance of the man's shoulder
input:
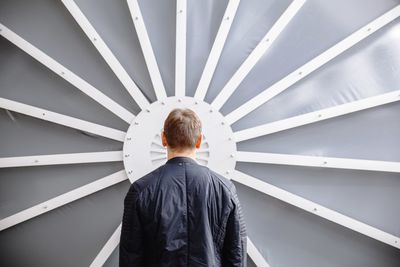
(140, 184)
(225, 182)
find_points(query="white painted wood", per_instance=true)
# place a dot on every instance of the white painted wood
(57, 159)
(180, 47)
(61, 119)
(106, 53)
(67, 75)
(147, 49)
(216, 49)
(108, 248)
(257, 53)
(313, 65)
(63, 199)
(316, 116)
(315, 208)
(255, 255)
(313, 161)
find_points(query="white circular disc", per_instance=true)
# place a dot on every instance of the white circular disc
(143, 149)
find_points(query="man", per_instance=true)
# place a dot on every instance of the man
(182, 213)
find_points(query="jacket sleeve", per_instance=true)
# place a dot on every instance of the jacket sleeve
(131, 251)
(235, 242)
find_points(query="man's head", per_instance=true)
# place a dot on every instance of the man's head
(182, 130)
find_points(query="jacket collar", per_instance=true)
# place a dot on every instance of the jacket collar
(181, 159)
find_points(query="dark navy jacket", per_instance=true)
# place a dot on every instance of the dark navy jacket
(182, 214)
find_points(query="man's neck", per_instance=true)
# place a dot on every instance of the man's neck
(189, 153)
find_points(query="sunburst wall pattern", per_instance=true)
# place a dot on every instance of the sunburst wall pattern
(299, 103)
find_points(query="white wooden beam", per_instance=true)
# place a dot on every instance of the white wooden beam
(180, 48)
(106, 53)
(61, 119)
(255, 255)
(316, 116)
(216, 49)
(313, 65)
(257, 53)
(108, 248)
(67, 75)
(313, 161)
(63, 199)
(315, 208)
(147, 49)
(57, 159)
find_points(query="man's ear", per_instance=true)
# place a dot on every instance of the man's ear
(198, 141)
(164, 139)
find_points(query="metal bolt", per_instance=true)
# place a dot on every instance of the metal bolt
(43, 114)
(300, 72)
(130, 172)
(162, 103)
(126, 155)
(369, 29)
(319, 115)
(136, 18)
(315, 209)
(211, 110)
(196, 102)
(230, 138)
(94, 39)
(62, 73)
(232, 155)
(227, 18)
(267, 40)
(45, 206)
(223, 123)
(136, 123)
(227, 172)
(180, 11)
(325, 162)
(179, 100)
(129, 138)
(147, 110)
(36, 161)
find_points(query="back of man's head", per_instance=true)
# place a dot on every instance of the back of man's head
(182, 128)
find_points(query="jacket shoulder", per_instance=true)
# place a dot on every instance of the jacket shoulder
(140, 184)
(226, 183)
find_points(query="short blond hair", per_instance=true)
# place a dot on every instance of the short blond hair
(182, 128)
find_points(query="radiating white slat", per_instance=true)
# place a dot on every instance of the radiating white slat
(147, 49)
(67, 75)
(57, 159)
(316, 116)
(106, 53)
(257, 53)
(313, 65)
(313, 161)
(108, 248)
(255, 255)
(180, 48)
(58, 118)
(63, 199)
(315, 208)
(216, 49)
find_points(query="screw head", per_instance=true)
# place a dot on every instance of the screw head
(126, 155)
